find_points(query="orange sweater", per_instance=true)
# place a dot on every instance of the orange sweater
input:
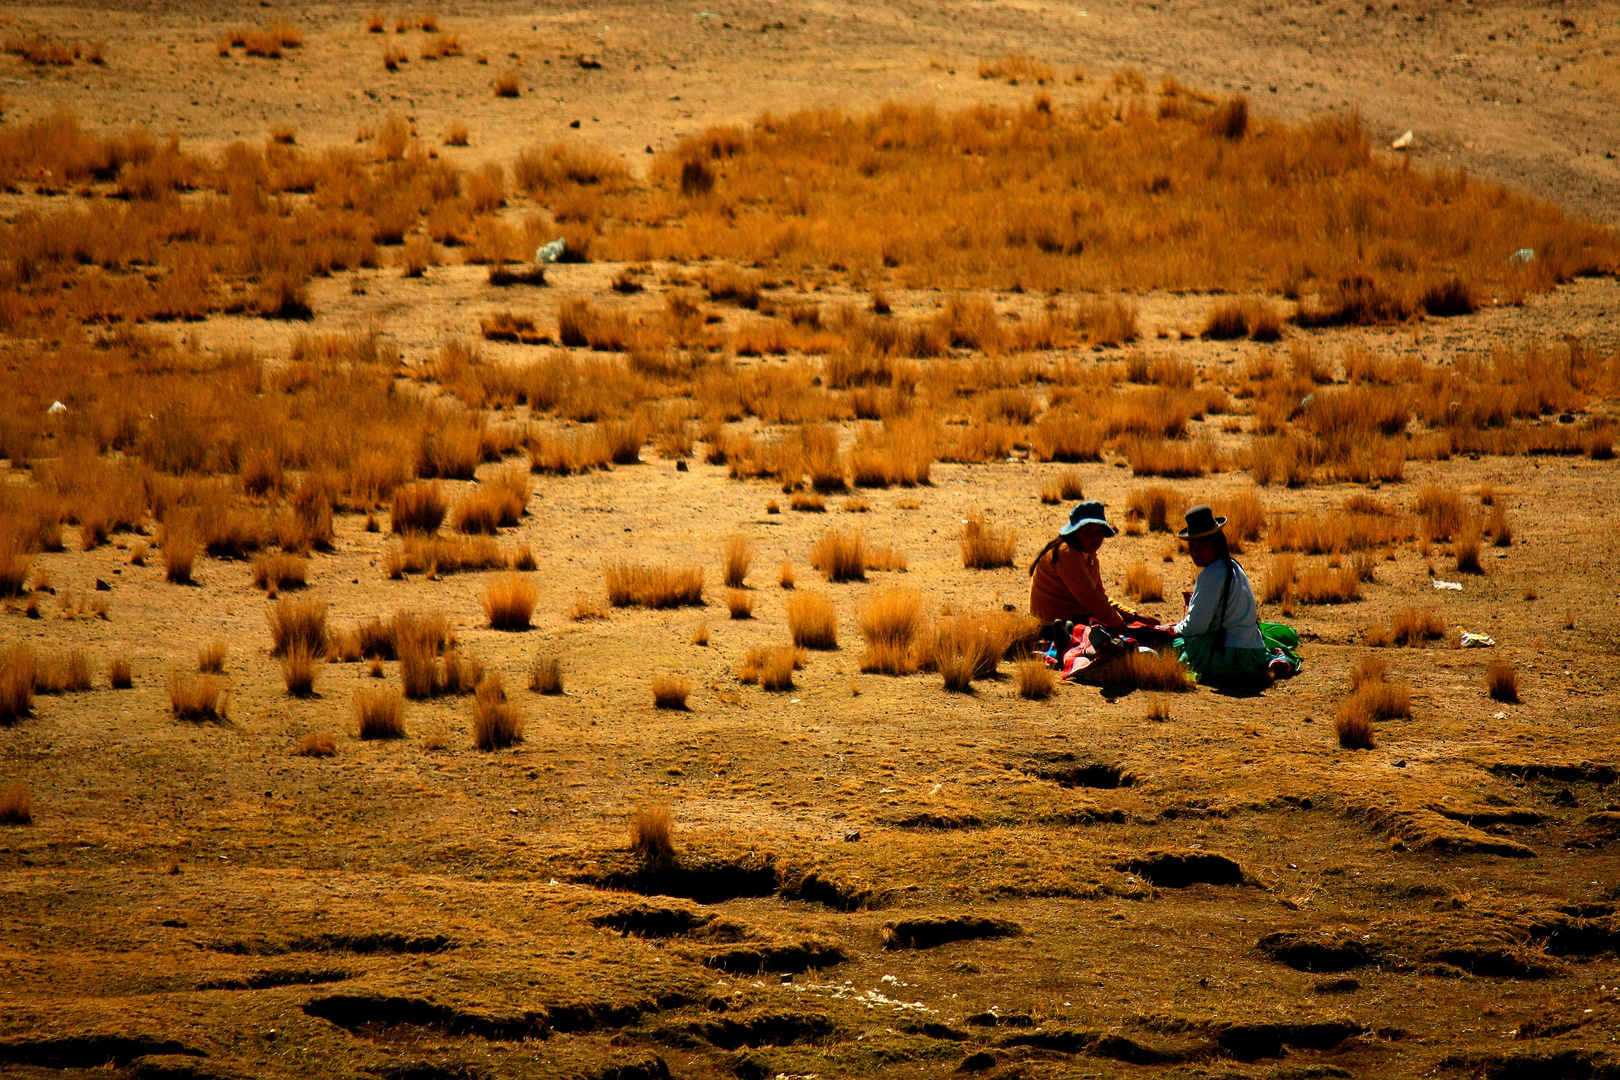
(1071, 588)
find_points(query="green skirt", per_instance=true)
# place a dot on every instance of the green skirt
(1209, 662)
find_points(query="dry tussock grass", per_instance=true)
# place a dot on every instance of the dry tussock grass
(1160, 508)
(1036, 681)
(380, 713)
(211, 657)
(653, 586)
(840, 556)
(1502, 681)
(1412, 627)
(298, 623)
(670, 691)
(652, 834)
(739, 553)
(17, 663)
(1320, 584)
(58, 673)
(317, 744)
(984, 546)
(418, 508)
(785, 576)
(497, 722)
(298, 670)
(546, 675)
(1143, 583)
(509, 603)
(275, 571)
(812, 620)
(120, 675)
(16, 803)
(1156, 672)
(740, 603)
(425, 553)
(890, 621)
(197, 697)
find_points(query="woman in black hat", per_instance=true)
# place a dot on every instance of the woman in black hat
(1221, 638)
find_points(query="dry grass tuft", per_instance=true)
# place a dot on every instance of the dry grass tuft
(985, 547)
(1159, 508)
(1502, 681)
(497, 723)
(700, 633)
(785, 576)
(1036, 681)
(179, 555)
(211, 657)
(380, 713)
(1465, 548)
(653, 586)
(808, 502)
(1158, 709)
(317, 744)
(200, 697)
(119, 674)
(1326, 585)
(1143, 583)
(418, 508)
(57, 674)
(546, 675)
(16, 803)
(652, 834)
(840, 556)
(1157, 672)
(16, 684)
(298, 623)
(506, 85)
(298, 670)
(509, 603)
(739, 553)
(1411, 627)
(1067, 486)
(890, 622)
(741, 603)
(585, 610)
(670, 691)
(813, 621)
(1354, 724)
(280, 570)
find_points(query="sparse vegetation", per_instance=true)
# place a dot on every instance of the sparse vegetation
(497, 722)
(670, 691)
(985, 547)
(1036, 681)
(739, 554)
(1502, 681)
(546, 675)
(652, 834)
(812, 620)
(16, 803)
(653, 586)
(211, 657)
(740, 602)
(197, 697)
(509, 603)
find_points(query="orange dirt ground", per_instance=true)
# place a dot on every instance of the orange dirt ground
(870, 874)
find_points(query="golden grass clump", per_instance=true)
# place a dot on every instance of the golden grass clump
(1326, 585)
(1156, 672)
(492, 506)
(1442, 511)
(317, 744)
(740, 602)
(1465, 549)
(179, 556)
(670, 691)
(506, 84)
(1036, 681)
(890, 622)
(59, 674)
(1502, 681)
(967, 647)
(785, 576)
(280, 570)
(812, 620)
(509, 603)
(17, 665)
(546, 675)
(119, 674)
(1411, 627)
(16, 803)
(1354, 724)
(739, 553)
(418, 508)
(298, 623)
(1064, 487)
(985, 547)
(807, 502)
(652, 834)
(1143, 583)
(1159, 508)
(700, 633)
(199, 697)
(1246, 517)
(298, 670)
(211, 657)
(840, 556)
(497, 723)
(653, 586)
(380, 713)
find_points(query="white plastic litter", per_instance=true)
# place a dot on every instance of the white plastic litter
(1453, 585)
(1523, 255)
(57, 407)
(1404, 141)
(1477, 641)
(550, 253)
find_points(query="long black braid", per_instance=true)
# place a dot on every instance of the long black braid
(1055, 546)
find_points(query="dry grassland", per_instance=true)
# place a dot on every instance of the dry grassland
(712, 854)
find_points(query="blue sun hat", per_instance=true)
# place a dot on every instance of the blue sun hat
(1087, 513)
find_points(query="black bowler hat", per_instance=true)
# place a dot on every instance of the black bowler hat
(1201, 521)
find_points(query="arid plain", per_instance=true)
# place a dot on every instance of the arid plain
(868, 292)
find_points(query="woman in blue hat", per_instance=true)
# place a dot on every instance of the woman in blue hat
(1066, 577)
(1222, 638)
